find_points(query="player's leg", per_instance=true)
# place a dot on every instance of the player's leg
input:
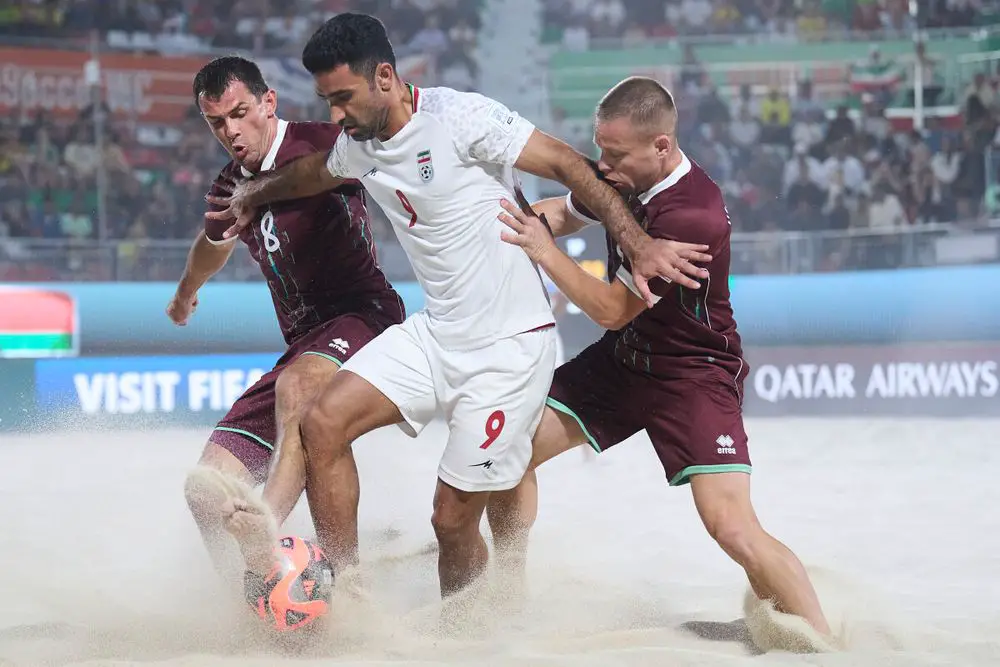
(297, 387)
(511, 514)
(254, 522)
(323, 352)
(206, 499)
(581, 410)
(700, 439)
(462, 551)
(775, 573)
(492, 415)
(387, 382)
(235, 459)
(347, 408)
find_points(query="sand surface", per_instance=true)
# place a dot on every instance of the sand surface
(900, 519)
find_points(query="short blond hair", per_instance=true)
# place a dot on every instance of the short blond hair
(644, 101)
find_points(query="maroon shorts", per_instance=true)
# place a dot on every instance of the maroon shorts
(695, 423)
(249, 430)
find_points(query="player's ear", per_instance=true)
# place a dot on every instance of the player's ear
(270, 101)
(384, 77)
(663, 143)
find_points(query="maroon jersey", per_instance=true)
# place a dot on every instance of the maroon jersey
(687, 330)
(316, 253)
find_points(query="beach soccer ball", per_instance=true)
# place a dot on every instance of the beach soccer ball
(297, 590)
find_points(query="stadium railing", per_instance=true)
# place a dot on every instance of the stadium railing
(58, 260)
(932, 244)
(35, 260)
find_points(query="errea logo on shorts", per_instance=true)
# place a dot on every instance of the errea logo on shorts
(340, 345)
(725, 444)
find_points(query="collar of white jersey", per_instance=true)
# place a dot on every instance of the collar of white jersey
(415, 95)
(272, 154)
(677, 174)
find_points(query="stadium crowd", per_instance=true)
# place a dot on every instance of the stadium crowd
(577, 22)
(785, 163)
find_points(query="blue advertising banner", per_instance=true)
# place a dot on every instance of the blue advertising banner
(192, 389)
(850, 308)
(130, 318)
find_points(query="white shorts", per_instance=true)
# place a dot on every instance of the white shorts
(492, 397)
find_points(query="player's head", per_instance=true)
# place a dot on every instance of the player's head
(354, 67)
(636, 129)
(239, 107)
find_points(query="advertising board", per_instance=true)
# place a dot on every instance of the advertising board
(147, 88)
(174, 390)
(939, 380)
(849, 308)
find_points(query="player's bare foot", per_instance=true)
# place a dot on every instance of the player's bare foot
(773, 630)
(255, 529)
(208, 490)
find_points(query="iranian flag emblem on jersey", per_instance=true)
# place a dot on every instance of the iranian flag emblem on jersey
(424, 166)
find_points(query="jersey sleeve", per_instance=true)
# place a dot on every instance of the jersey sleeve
(215, 228)
(338, 161)
(482, 129)
(579, 211)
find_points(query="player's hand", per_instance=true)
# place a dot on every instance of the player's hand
(528, 231)
(181, 308)
(236, 208)
(671, 260)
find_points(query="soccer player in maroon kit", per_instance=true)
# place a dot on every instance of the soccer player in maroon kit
(318, 257)
(676, 369)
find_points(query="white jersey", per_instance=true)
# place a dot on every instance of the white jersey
(440, 180)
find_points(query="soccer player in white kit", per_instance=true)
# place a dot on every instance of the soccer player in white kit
(439, 162)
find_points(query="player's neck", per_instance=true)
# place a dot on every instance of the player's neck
(400, 112)
(669, 166)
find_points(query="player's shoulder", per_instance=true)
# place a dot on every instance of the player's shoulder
(456, 108)
(688, 189)
(304, 138)
(321, 135)
(688, 198)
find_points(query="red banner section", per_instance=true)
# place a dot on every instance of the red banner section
(151, 89)
(37, 323)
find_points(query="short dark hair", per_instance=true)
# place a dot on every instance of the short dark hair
(356, 40)
(213, 79)
(644, 101)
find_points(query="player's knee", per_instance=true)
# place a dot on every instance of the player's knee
(290, 387)
(297, 385)
(451, 522)
(201, 506)
(736, 533)
(323, 429)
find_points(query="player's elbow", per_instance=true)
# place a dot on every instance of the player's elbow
(613, 322)
(612, 316)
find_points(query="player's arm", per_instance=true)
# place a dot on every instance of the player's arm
(204, 260)
(611, 305)
(488, 131)
(561, 220)
(305, 177)
(547, 157)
